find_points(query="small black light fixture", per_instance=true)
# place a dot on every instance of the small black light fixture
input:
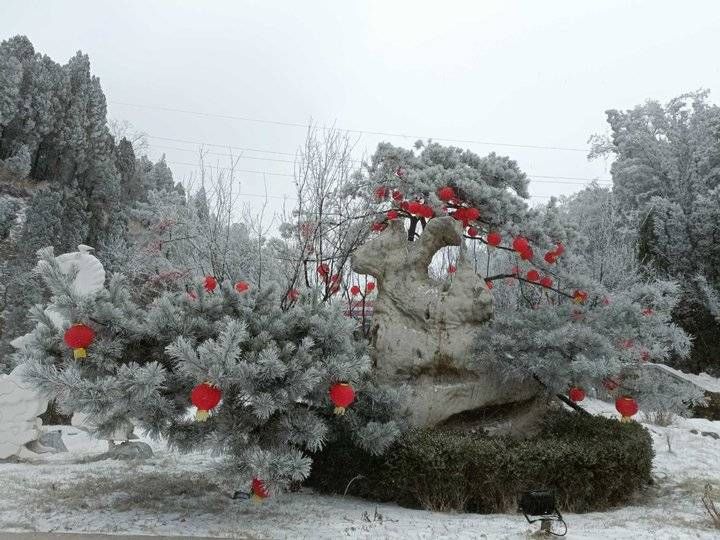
(540, 504)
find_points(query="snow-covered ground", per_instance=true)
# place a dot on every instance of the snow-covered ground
(172, 494)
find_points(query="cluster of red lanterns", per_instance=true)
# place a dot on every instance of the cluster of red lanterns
(355, 290)
(79, 337)
(206, 396)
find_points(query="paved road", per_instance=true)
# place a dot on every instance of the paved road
(90, 536)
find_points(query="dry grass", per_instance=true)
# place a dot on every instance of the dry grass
(709, 504)
(659, 418)
(166, 492)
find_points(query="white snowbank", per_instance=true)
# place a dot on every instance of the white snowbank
(165, 496)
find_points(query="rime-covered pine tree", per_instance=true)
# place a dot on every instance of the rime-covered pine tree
(557, 320)
(274, 368)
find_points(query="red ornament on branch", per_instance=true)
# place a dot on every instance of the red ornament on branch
(205, 397)
(397, 196)
(526, 254)
(446, 193)
(559, 249)
(355, 290)
(627, 407)
(323, 270)
(466, 215)
(472, 231)
(392, 214)
(370, 287)
(520, 243)
(452, 269)
(494, 239)
(579, 296)
(342, 395)
(533, 275)
(293, 294)
(576, 394)
(242, 286)
(546, 282)
(258, 490)
(79, 337)
(210, 283)
(377, 226)
(381, 192)
(550, 257)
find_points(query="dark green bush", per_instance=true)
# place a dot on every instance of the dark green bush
(592, 463)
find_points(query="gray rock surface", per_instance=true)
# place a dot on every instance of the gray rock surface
(126, 451)
(423, 330)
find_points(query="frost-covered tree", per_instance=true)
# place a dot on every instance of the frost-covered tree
(667, 171)
(273, 367)
(564, 317)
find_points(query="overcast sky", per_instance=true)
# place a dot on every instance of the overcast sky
(512, 72)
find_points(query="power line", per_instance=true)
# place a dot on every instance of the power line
(358, 131)
(249, 171)
(530, 175)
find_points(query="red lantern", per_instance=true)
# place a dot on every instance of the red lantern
(259, 491)
(472, 231)
(466, 215)
(370, 287)
(627, 407)
(576, 394)
(342, 395)
(392, 214)
(210, 283)
(526, 254)
(242, 286)
(494, 239)
(355, 290)
(533, 275)
(546, 282)
(397, 196)
(520, 243)
(79, 337)
(205, 397)
(550, 257)
(446, 193)
(323, 270)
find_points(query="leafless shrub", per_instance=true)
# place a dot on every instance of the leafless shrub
(709, 504)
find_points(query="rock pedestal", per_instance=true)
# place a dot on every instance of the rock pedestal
(20, 405)
(423, 330)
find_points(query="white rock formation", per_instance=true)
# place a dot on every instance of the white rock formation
(423, 330)
(20, 406)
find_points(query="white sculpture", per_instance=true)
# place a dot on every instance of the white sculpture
(20, 406)
(89, 279)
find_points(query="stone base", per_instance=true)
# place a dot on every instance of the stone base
(431, 402)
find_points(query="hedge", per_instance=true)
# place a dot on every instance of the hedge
(592, 462)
